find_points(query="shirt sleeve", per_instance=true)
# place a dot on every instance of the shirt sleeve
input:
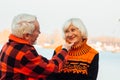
(93, 69)
(38, 66)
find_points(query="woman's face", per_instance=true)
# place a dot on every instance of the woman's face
(72, 34)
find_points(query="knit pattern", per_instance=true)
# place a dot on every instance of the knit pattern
(79, 59)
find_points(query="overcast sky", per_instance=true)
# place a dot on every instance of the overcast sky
(101, 17)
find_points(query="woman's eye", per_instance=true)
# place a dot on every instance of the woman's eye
(73, 30)
(66, 31)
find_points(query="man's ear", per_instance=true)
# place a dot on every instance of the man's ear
(26, 36)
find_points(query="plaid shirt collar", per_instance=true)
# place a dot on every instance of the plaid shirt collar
(17, 39)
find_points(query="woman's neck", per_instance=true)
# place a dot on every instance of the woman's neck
(79, 43)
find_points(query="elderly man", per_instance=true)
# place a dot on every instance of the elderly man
(18, 58)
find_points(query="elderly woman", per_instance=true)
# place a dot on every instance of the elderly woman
(82, 61)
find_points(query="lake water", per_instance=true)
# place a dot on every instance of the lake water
(109, 63)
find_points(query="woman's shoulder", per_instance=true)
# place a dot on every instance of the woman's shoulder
(94, 51)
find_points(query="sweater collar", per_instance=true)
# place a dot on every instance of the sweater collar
(80, 45)
(17, 39)
(81, 49)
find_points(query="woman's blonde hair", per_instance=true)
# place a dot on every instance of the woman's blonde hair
(77, 23)
(22, 24)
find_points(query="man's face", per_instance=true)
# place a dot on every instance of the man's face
(33, 37)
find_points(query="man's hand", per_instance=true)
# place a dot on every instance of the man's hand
(67, 46)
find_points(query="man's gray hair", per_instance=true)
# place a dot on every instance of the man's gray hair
(22, 24)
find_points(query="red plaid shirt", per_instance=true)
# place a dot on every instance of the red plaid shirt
(20, 61)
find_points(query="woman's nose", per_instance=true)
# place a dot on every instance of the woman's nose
(70, 34)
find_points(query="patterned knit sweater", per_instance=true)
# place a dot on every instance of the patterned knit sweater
(82, 64)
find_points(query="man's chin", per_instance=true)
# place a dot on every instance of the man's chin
(34, 43)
